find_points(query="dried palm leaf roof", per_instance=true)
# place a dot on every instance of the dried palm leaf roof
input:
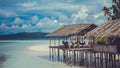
(68, 30)
(110, 28)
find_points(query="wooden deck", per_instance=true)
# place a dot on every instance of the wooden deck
(81, 49)
(68, 47)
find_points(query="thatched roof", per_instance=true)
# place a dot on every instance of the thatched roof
(68, 30)
(110, 28)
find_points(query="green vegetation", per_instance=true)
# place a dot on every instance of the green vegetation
(113, 12)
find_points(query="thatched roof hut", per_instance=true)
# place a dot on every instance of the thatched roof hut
(106, 38)
(73, 29)
(108, 33)
(110, 28)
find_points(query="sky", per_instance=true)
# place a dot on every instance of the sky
(18, 16)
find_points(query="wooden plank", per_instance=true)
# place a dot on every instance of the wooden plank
(64, 47)
(81, 49)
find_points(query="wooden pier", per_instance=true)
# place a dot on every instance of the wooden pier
(84, 57)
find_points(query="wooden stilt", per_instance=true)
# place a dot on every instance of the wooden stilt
(58, 50)
(58, 54)
(50, 53)
(114, 57)
(95, 60)
(63, 55)
(118, 61)
(50, 49)
(105, 60)
(74, 57)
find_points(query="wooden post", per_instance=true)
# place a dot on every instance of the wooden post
(77, 41)
(54, 42)
(63, 55)
(58, 50)
(114, 57)
(90, 60)
(101, 60)
(54, 45)
(110, 59)
(86, 58)
(105, 60)
(52, 54)
(99, 57)
(93, 40)
(50, 49)
(118, 61)
(74, 57)
(95, 59)
(78, 57)
(66, 38)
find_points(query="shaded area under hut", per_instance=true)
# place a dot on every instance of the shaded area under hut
(70, 49)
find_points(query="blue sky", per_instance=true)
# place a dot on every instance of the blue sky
(48, 15)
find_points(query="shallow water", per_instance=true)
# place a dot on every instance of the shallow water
(27, 54)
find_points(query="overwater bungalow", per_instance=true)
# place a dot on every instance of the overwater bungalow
(73, 40)
(102, 52)
(106, 44)
(107, 34)
(72, 32)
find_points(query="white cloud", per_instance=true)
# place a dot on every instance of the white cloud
(87, 14)
(106, 3)
(26, 26)
(56, 14)
(81, 14)
(46, 24)
(3, 26)
(98, 15)
(7, 13)
(17, 21)
(49, 6)
(63, 18)
(55, 21)
(14, 27)
(28, 4)
(34, 19)
(9, 29)
(4, 29)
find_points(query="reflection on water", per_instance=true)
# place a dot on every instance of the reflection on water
(44, 57)
(3, 58)
(27, 54)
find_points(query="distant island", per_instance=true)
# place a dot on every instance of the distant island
(25, 36)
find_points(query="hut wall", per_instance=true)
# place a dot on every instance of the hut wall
(107, 48)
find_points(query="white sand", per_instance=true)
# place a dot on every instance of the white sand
(39, 48)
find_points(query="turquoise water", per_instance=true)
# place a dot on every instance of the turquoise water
(27, 54)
